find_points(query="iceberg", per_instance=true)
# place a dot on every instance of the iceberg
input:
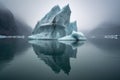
(56, 25)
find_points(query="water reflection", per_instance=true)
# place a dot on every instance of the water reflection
(108, 45)
(9, 48)
(56, 54)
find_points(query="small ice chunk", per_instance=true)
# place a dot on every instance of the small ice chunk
(75, 36)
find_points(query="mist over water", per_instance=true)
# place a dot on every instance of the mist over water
(97, 58)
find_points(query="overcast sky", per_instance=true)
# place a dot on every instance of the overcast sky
(88, 13)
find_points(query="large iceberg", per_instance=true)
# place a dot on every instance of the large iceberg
(56, 25)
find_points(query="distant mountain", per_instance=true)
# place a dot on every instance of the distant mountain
(10, 25)
(105, 29)
(110, 44)
(23, 28)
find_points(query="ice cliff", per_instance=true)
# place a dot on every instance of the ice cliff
(56, 25)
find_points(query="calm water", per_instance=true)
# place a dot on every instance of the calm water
(51, 60)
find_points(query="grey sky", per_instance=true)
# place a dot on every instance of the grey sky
(88, 13)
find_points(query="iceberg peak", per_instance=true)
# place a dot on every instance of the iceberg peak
(63, 17)
(48, 18)
(56, 8)
(67, 8)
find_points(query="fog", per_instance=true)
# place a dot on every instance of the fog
(88, 13)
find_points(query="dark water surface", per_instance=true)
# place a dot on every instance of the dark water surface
(51, 60)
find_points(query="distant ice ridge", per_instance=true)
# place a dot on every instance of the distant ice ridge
(2, 36)
(56, 25)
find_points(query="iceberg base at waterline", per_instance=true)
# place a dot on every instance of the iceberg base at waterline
(75, 36)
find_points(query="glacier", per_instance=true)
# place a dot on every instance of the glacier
(56, 25)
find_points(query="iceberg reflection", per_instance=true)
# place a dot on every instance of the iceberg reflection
(56, 54)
